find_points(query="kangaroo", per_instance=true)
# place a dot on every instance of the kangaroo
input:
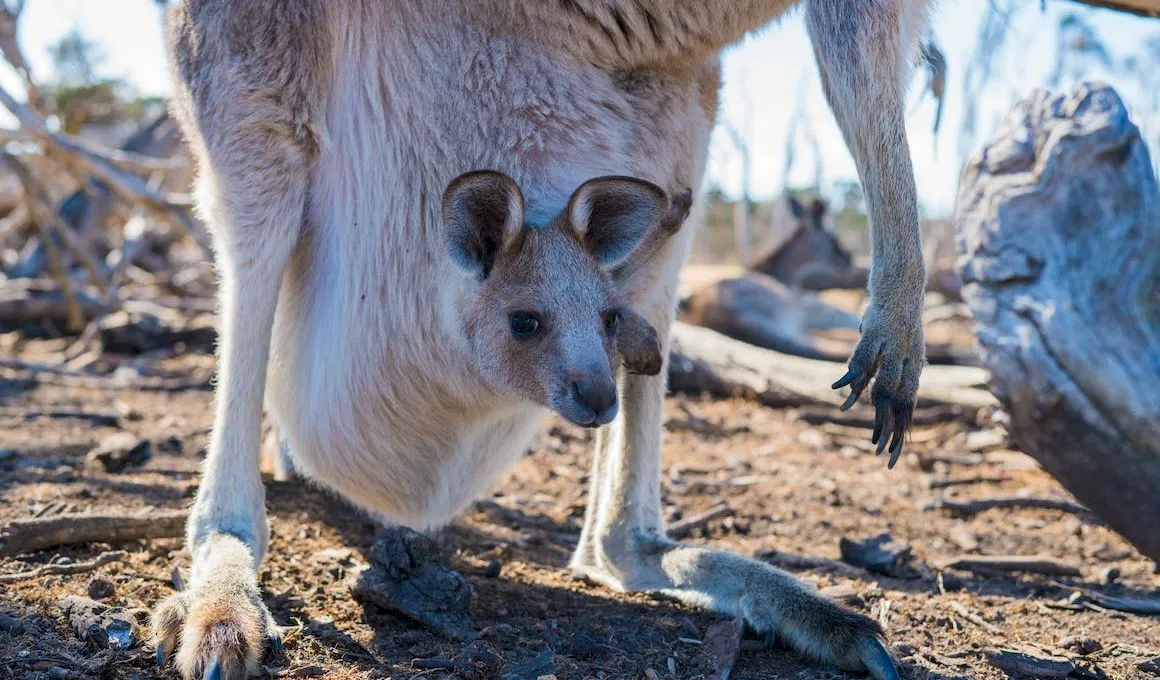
(325, 133)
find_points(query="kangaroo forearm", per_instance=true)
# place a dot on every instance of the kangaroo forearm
(865, 89)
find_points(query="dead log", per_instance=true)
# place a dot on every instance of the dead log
(1058, 224)
(30, 535)
(702, 361)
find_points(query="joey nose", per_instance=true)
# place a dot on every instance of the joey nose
(597, 394)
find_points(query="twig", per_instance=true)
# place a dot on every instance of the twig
(24, 536)
(927, 416)
(1005, 563)
(685, 527)
(969, 508)
(68, 376)
(48, 218)
(1128, 605)
(73, 568)
(962, 481)
(803, 562)
(979, 621)
(129, 187)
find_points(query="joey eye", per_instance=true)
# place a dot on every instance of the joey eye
(611, 319)
(524, 324)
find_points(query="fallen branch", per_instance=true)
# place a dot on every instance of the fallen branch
(969, 508)
(1007, 563)
(25, 536)
(703, 361)
(129, 187)
(60, 569)
(687, 526)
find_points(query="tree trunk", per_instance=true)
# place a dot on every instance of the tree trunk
(1058, 225)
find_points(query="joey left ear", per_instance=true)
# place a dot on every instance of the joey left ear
(612, 214)
(483, 212)
(638, 344)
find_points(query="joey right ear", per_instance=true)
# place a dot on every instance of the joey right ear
(638, 344)
(483, 212)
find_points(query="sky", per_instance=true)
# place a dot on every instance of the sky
(764, 77)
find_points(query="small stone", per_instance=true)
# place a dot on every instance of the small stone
(119, 451)
(170, 445)
(100, 589)
(493, 569)
(1081, 645)
(478, 661)
(882, 554)
(1110, 575)
(11, 625)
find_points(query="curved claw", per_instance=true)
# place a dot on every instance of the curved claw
(903, 412)
(161, 655)
(215, 671)
(878, 660)
(844, 380)
(276, 643)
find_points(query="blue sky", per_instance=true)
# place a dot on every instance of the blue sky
(763, 78)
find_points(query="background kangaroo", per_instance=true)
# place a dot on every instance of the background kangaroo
(325, 133)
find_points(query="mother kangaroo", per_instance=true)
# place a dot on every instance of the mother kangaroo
(325, 132)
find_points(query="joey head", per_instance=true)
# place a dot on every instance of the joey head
(544, 318)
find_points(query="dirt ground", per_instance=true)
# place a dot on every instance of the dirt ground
(793, 490)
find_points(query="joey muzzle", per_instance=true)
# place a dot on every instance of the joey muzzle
(595, 395)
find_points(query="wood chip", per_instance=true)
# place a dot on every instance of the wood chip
(722, 644)
(1017, 662)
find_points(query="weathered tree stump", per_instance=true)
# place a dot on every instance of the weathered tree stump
(1058, 223)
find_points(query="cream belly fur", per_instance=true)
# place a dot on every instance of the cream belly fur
(368, 401)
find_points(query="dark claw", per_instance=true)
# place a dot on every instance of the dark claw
(215, 671)
(879, 424)
(878, 660)
(902, 415)
(160, 656)
(850, 400)
(844, 380)
(770, 638)
(276, 644)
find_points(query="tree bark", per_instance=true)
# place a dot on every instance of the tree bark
(1058, 222)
